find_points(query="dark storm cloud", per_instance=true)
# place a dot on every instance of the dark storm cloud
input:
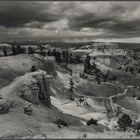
(117, 17)
(105, 19)
(80, 14)
(16, 14)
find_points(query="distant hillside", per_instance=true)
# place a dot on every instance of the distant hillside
(65, 44)
(132, 46)
(54, 44)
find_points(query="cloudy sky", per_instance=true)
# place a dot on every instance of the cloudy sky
(108, 21)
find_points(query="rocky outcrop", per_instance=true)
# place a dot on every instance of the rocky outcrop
(39, 89)
(44, 86)
(49, 64)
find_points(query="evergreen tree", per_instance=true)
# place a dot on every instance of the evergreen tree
(71, 88)
(58, 57)
(14, 50)
(49, 52)
(64, 56)
(70, 58)
(77, 59)
(30, 50)
(54, 52)
(124, 122)
(106, 77)
(23, 50)
(135, 56)
(4, 51)
(20, 50)
(67, 57)
(131, 70)
(87, 64)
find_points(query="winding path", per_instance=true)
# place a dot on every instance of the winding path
(107, 102)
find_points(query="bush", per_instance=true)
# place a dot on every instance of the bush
(60, 122)
(33, 68)
(92, 121)
(124, 122)
(5, 107)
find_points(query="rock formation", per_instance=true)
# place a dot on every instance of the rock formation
(50, 65)
(39, 89)
(44, 86)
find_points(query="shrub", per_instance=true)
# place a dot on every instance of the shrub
(92, 121)
(84, 136)
(60, 122)
(5, 107)
(124, 122)
(33, 68)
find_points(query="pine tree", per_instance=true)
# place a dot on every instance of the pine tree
(20, 49)
(87, 64)
(64, 56)
(124, 122)
(77, 59)
(30, 50)
(54, 52)
(49, 52)
(70, 58)
(4, 51)
(135, 56)
(14, 50)
(58, 57)
(67, 57)
(71, 88)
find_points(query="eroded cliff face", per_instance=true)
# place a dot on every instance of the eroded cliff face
(39, 90)
(50, 65)
(113, 62)
(14, 66)
(28, 89)
(32, 86)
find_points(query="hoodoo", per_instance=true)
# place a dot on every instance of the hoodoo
(50, 65)
(38, 89)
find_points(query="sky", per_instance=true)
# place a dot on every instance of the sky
(99, 20)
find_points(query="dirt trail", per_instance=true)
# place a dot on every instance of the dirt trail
(108, 102)
(119, 94)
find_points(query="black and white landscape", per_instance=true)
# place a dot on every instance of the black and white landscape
(69, 69)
